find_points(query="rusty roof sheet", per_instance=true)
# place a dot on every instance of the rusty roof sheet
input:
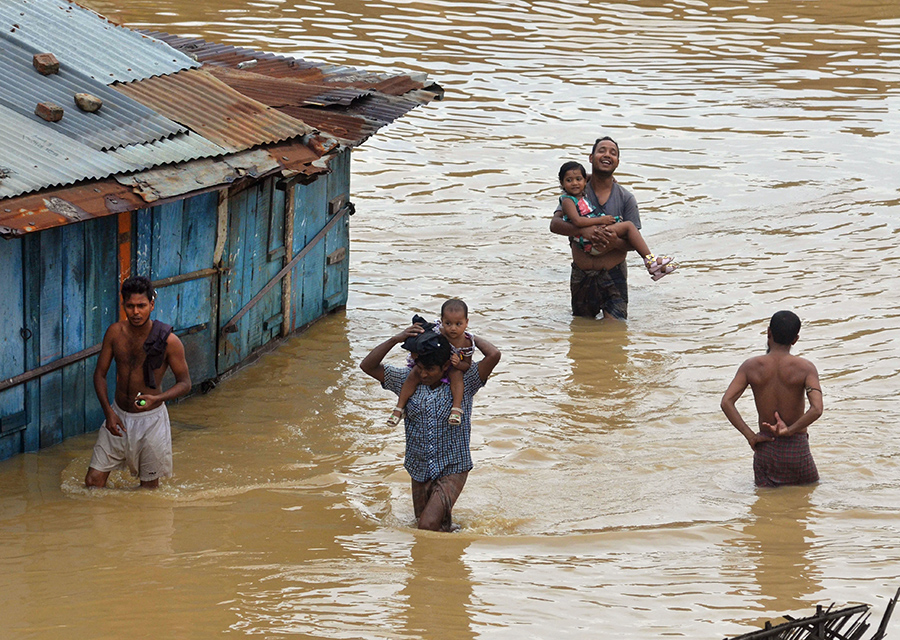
(211, 108)
(282, 92)
(58, 207)
(349, 129)
(84, 40)
(244, 100)
(347, 104)
(120, 121)
(270, 64)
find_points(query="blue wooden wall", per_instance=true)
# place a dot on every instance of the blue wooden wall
(176, 239)
(60, 292)
(61, 286)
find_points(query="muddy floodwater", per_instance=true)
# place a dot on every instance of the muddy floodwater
(610, 498)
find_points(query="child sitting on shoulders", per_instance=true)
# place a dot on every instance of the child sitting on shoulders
(577, 210)
(453, 323)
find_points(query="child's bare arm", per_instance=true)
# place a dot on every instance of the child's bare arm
(462, 364)
(571, 211)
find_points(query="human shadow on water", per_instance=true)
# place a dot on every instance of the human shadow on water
(439, 591)
(780, 544)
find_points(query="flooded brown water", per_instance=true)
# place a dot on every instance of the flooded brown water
(610, 497)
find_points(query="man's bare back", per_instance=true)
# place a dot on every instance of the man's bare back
(781, 383)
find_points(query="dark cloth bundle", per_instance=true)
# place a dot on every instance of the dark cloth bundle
(155, 348)
(425, 342)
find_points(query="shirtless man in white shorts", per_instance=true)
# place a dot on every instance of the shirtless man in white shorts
(136, 432)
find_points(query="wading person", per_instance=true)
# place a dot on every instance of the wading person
(136, 432)
(577, 210)
(781, 383)
(599, 282)
(438, 458)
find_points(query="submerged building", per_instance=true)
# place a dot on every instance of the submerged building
(222, 173)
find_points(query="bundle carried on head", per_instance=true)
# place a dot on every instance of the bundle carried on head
(427, 341)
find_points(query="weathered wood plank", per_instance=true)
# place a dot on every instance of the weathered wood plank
(337, 275)
(311, 214)
(196, 305)
(12, 342)
(73, 328)
(101, 307)
(143, 241)
(166, 252)
(32, 294)
(51, 343)
(255, 268)
(12, 320)
(232, 281)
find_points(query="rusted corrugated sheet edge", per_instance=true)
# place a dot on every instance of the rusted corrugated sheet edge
(211, 108)
(59, 207)
(169, 182)
(279, 92)
(273, 65)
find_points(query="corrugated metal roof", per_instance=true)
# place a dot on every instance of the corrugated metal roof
(214, 110)
(120, 121)
(224, 55)
(342, 102)
(57, 207)
(86, 41)
(276, 66)
(349, 129)
(179, 148)
(35, 157)
(281, 92)
(247, 100)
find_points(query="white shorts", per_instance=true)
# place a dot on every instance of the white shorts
(146, 447)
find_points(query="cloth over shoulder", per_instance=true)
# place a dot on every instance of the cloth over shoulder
(155, 348)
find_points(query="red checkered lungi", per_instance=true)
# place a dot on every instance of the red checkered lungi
(784, 460)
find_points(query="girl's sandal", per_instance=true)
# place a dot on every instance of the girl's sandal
(665, 270)
(659, 266)
(455, 418)
(396, 416)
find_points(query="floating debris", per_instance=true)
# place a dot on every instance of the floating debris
(827, 624)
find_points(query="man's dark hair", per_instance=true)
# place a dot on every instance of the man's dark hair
(599, 140)
(438, 356)
(568, 166)
(455, 304)
(785, 327)
(138, 285)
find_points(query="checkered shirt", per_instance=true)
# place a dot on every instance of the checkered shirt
(434, 448)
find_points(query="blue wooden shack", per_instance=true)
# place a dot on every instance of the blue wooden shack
(222, 173)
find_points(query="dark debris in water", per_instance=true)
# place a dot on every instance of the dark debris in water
(849, 623)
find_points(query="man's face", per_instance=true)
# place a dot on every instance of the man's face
(605, 158)
(430, 375)
(137, 309)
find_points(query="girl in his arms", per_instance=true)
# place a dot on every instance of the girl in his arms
(577, 210)
(453, 323)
